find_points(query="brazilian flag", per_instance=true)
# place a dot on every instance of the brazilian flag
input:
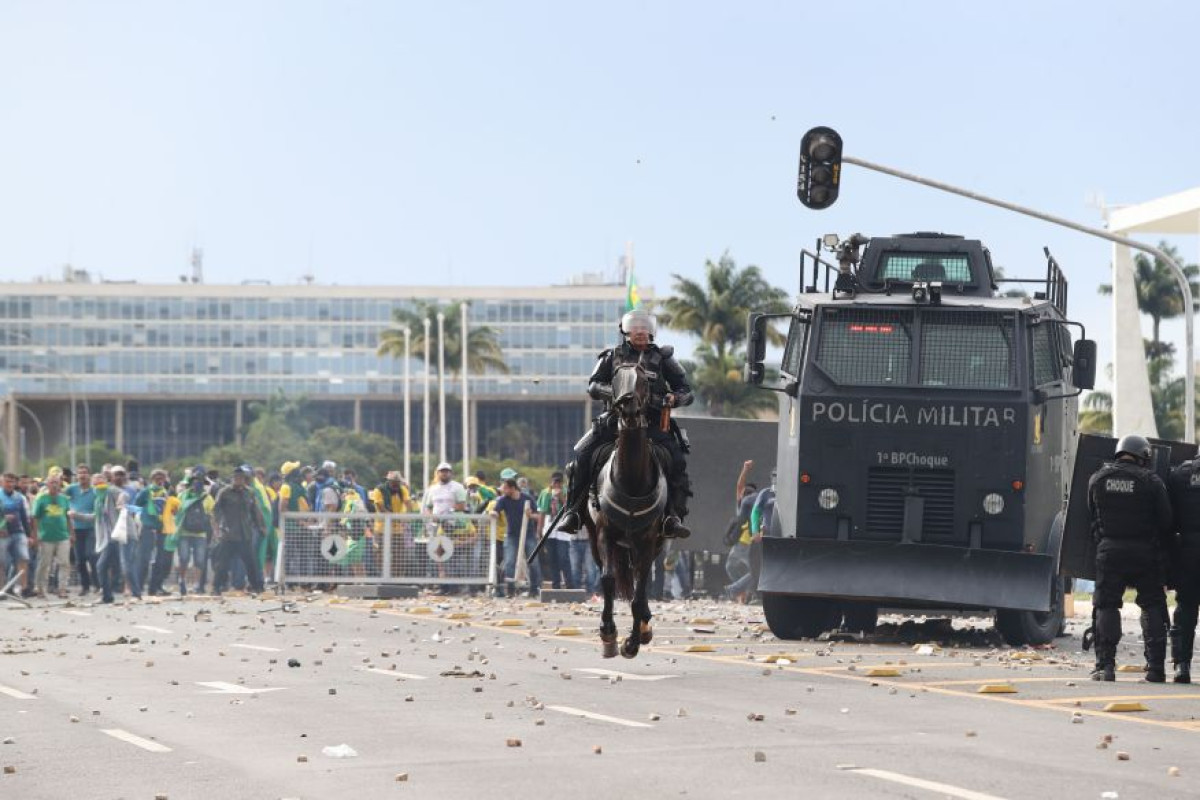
(632, 298)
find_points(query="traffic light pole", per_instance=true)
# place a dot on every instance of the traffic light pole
(1180, 277)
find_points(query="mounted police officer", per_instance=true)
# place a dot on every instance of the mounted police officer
(668, 389)
(1184, 487)
(1132, 524)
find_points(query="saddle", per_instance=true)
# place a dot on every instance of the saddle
(661, 455)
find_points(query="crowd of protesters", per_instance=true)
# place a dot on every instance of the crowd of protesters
(122, 533)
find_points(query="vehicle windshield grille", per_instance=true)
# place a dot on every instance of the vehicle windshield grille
(971, 349)
(866, 346)
(913, 267)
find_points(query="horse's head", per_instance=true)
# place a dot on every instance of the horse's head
(631, 389)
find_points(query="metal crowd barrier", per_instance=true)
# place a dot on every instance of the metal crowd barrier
(406, 549)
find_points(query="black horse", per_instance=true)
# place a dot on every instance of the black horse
(625, 524)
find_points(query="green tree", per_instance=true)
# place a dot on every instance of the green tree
(716, 311)
(95, 454)
(483, 342)
(290, 410)
(718, 380)
(1157, 291)
(515, 441)
(370, 455)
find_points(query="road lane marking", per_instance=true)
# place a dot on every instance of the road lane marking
(902, 685)
(944, 789)
(152, 628)
(16, 693)
(221, 687)
(393, 673)
(625, 676)
(1123, 698)
(74, 613)
(579, 712)
(980, 681)
(259, 647)
(134, 739)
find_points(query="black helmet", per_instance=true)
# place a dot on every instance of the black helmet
(1135, 446)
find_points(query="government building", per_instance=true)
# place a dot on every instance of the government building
(163, 371)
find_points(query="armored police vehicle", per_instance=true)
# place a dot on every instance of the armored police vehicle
(926, 436)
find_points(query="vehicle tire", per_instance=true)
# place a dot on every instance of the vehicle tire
(792, 617)
(1033, 627)
(861, 617)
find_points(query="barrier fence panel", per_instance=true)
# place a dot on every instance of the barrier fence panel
(412, 549)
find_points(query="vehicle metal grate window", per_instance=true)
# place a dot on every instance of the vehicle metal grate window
(793, 354)
(1045, 361)
(929, 267)
(970, 349)
(866, 346)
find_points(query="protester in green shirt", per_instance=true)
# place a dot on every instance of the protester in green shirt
(55, 531)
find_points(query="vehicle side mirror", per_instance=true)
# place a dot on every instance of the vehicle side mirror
(756, 348)
(1083, 374)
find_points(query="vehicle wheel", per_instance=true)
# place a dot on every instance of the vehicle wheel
(1033, 627)
(792, 617)
(861, 618)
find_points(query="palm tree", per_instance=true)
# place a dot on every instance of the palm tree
(1096, 416)
(483, 342)
(717, 379)
(716, 312)
(1157, 290)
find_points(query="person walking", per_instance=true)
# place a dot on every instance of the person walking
(14, 541)
(195, 526)
(116, 545)
(238, 517)
(517, 509)
(83, 519)
(50, 511)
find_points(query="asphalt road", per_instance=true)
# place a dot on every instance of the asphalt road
(195, 699)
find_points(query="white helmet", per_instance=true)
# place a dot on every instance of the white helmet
(639, 320)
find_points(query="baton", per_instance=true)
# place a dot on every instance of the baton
(549, 530)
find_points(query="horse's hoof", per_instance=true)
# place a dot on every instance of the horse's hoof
(629, 648)
(608, 642)
(647, 633)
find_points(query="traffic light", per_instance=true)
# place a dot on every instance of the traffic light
(820, 168)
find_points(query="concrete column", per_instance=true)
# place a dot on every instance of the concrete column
(587, 414)
(358, 415)
(237, 421)
(12, 455)
(119, 435)
(1132, 411)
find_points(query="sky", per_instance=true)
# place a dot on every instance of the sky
(521, 143)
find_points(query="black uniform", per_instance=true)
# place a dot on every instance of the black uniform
(1132, 524)
(1184, 488)
(669, 379)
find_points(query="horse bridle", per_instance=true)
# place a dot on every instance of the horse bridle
(620, 402)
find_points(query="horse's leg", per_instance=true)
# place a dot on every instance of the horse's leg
(608, 583)
(640, 634)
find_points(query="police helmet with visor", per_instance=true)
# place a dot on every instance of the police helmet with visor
(639, 320)
(1135, 446)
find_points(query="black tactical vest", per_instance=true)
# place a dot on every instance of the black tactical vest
(1123, 501)
(1184, 486)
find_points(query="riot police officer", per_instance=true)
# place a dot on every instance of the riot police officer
(1131, 522)
(1184, 487)
(669, 389)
